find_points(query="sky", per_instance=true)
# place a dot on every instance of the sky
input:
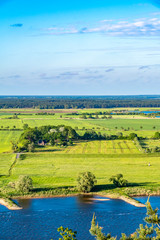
(87, 47)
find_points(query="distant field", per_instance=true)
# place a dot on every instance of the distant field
(5, 139)
(118, 124)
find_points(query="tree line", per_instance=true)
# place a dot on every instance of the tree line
(79, 102)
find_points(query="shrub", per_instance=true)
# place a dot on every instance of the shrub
(24, 184)
(86, 181)
(118, 180)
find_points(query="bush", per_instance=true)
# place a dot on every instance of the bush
(118, 180)
(86, 181)
(24, 184)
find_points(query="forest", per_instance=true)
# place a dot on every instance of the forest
(79, 102)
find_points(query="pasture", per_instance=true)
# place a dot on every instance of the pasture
(5, 140)
(50, 170)
(52, 167)
(95, 147)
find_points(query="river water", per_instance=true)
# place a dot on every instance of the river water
(40, 218)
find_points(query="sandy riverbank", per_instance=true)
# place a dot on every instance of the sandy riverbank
(9, 204)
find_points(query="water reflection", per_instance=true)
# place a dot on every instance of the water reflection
(24, 203)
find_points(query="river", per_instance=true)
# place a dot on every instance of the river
(40, 218)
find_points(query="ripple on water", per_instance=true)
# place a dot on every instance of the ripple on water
(41, 217)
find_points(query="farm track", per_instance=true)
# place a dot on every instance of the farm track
(13, 164)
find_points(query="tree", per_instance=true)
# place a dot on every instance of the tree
(24, 184)
(149, 232)
(118, 180)
(14, 146)
(25, 126)
(67, 234)
(31, 147)
(157, 135)
(86, 181)
(132, 136)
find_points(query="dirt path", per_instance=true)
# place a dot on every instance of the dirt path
(13, 164)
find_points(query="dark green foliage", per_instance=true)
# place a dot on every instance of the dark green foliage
(60, 135)
(86, 181)
(67, 234)
(156, 135)
(14, 146)
(79, 102)
(25, 126)
(96, 231)
(132, 136)
(118, 180)
(24, 184)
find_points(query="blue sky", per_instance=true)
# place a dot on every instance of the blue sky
(98, 47)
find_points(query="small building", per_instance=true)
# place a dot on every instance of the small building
(42, 142)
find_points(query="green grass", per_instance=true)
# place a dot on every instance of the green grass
(151, 143)
(59, 167)
(143, 127)
(97, 147)
(52, 170)
(5, 139)
(6, 161)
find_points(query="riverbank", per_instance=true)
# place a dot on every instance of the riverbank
(128, 198)
(91, 196)
(8, 203)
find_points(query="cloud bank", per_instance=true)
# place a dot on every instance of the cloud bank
(137, 27)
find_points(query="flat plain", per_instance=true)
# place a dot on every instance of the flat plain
(52, 167)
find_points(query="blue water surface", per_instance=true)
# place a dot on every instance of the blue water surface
(40, 218)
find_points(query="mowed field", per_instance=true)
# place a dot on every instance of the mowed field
(50, 170)
(5, 140)
(6, 161)
(60, 167)
(97, 147)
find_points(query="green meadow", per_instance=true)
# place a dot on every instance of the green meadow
(52, 167)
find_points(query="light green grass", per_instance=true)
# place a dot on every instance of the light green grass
(53, 170)
(6, 161)
(5, 139)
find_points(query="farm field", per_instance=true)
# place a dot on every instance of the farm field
(50, 170)
(5, 139)
(150, 143)
(52, 167)
(97, 147)
(6, 161)
(146, 127)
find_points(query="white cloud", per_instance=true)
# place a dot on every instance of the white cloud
(140, 27)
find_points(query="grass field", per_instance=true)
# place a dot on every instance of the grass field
(52, 167)
(5, 139)
(50, 170)
(150, 143)
(6, 161)
(96, 147)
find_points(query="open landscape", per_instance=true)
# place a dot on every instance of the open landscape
(54, 169)
(79, 120)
